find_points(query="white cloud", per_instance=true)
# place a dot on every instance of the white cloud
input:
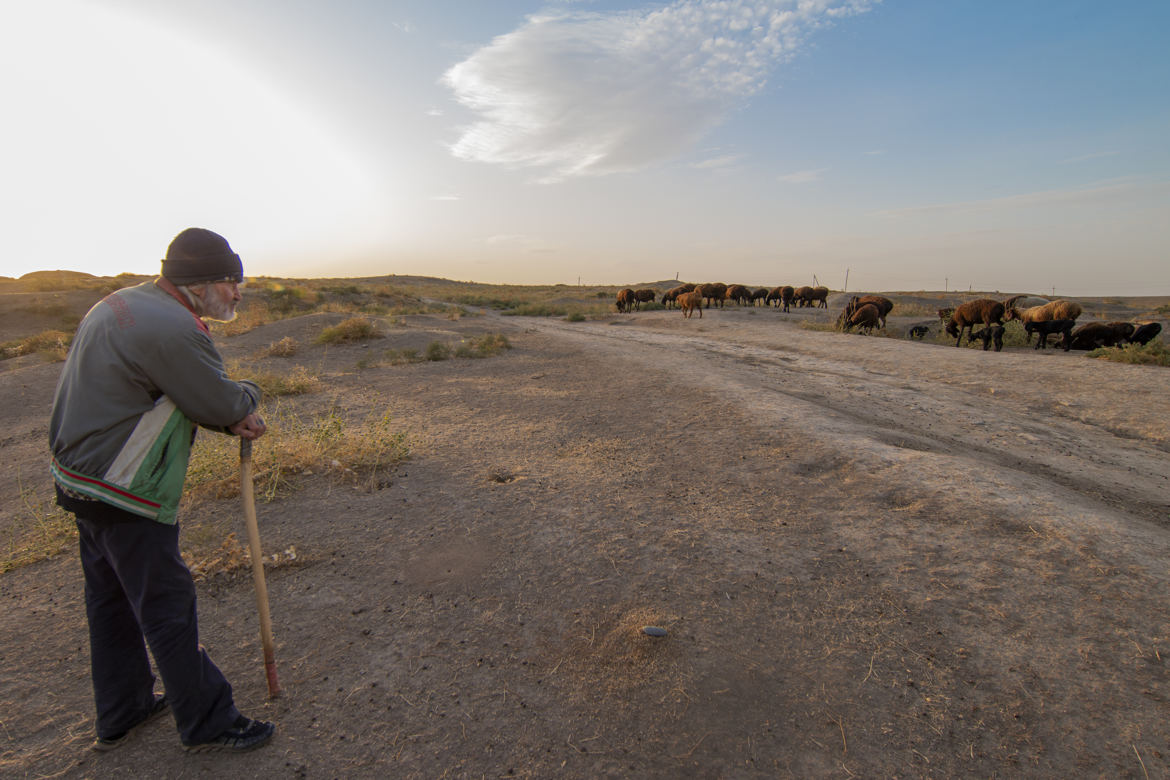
(580, 93)
(803, 177)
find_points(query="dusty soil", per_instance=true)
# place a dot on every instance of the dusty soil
(873, 558)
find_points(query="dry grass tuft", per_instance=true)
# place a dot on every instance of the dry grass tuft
(51, 344)
(347, 331)
(286, 347)
(294, 447)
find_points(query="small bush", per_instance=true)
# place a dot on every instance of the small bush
(1153, 354)
(353, 329)
(286, 347)
(485, 346)
(575, 316)
(296, 382)
(437, 350)
(52, 344)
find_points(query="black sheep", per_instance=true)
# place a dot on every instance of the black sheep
(1048, 328)
(988, 335)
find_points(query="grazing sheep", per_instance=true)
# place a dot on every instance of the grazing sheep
(1053, 310)
(738, 293)
(645, 295)
(982, 311)
(625, 300)
(803, 296)
(883, 304)
(1098, 334)
(669, 296)
(1145, 333)
(1124, 328)
(689, 301)
(988, 335)
(760, 294)
(918, 332)
(819, 297)
(713, 292)
(1048, 328)
(782, 295)
(865, 319)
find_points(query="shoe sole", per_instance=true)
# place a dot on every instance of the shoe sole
(160, 706)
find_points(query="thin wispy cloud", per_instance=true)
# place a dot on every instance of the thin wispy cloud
(802, 177)
(579, 93)
(719, 163)
(1093, 156)
(1096, 191)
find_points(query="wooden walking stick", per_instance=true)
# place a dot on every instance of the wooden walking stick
(257, 566)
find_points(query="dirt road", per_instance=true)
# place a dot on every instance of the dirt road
(873, 557)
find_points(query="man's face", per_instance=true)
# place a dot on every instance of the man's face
(220, 300)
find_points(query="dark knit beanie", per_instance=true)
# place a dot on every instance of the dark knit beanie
(197, 255)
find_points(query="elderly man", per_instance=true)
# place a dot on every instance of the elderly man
(141, 375)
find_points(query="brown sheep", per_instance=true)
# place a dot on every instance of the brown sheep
(787, 294)
(760, 294)
(738, 293)
(1053, 310)
(820, 297)
(803, 296)
(644, 295)
(982, 311)
(690, 301)
(713, 292)
(865, 318)
(1099, 334)
(782, 296)
(625, 300)
(883, 304)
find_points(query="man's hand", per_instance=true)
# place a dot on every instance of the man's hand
(251, 427)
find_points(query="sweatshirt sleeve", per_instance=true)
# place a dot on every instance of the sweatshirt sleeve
(189, 370)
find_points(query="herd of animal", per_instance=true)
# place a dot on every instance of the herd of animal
(717, 293)
(866, 312)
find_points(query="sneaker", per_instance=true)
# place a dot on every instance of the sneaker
(104, 744)
(244, 735)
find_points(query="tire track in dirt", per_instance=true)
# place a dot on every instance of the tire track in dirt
(974, 436)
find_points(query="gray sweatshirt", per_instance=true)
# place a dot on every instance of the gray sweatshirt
(141, 374)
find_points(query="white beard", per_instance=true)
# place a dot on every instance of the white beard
(214, 304)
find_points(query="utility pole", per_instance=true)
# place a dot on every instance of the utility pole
(946, 284)
(846, 287)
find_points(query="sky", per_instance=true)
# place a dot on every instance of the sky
(1007, 145)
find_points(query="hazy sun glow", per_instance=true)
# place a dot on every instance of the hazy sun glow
(113, 124)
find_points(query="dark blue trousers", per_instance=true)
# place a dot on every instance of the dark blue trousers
(138, 592)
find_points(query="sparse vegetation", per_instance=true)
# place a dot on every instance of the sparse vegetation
(298, 381)
(41, 530)
(353, 329)
(51, 344)
(286, 347)
(295, 446)
(1153, 354)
